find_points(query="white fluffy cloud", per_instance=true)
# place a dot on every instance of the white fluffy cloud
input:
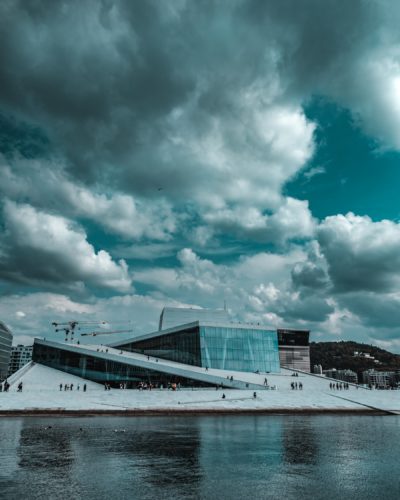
(291, 220)
(361, 254)
(38, 246)
(118, 213)
(247, 160)
(370, 88)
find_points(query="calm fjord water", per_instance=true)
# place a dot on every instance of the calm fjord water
(210, 457)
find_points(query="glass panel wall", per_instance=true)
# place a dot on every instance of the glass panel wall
(223, 347)
(241, 349)
(102, 370)
(182, 346)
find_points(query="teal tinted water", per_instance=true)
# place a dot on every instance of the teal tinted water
(210, 457)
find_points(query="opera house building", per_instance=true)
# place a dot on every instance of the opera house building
(193, 347)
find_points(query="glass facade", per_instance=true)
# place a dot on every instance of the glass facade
(222, 347)
(102, 370)
(242, 349)
(182, 346)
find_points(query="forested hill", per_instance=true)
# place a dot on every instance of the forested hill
(340, 355)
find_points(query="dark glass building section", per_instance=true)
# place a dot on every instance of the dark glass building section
(293, 337)
(294, 350)
(182, 346)
(101, 370)
(225, 347)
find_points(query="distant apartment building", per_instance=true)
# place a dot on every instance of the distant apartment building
(347, 376)
(294, 349)
(343, 375)
(381, 380)
(5, 349)
(20, 356)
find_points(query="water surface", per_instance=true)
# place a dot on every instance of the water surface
(210, 457)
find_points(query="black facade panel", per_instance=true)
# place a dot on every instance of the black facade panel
(293, 337)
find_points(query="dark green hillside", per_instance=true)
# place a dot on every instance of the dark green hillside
(340, 355)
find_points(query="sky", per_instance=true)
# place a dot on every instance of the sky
(201, 153)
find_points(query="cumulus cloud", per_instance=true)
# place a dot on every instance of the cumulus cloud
(256, 286)
(361, 254)
(290, 221)
(151, 95)
(38, 247)
(176, 125)
(121, 214)
(354, 270)
(377, 310)
(156, 121)
(371, 89)
(311, 274)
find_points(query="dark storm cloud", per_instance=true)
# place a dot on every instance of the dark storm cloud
(90, 73)
(40, 249)
(103, 77)
(22, 139)
(313, 309)
(315, 35)
(352, 254)
(355, 270)
(375, 310)
(165, 121)
(309, 275)
(361, 254)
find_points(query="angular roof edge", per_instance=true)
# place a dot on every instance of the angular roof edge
(173, 329)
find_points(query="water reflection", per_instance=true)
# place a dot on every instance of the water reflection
(300, 443)
(45, 448)
(199, 457)
(162, 457)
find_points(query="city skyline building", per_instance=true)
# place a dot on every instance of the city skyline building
(6, 338)
(343, 375)
(378, 379)
(20, 356)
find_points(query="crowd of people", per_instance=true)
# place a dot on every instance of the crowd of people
(70, 387)
(295, 386)
(148, 386)
(339, 386)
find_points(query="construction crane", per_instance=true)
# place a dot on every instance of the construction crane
(70, 327)
(106, 332)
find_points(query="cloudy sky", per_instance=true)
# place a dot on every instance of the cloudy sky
(195, 152)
